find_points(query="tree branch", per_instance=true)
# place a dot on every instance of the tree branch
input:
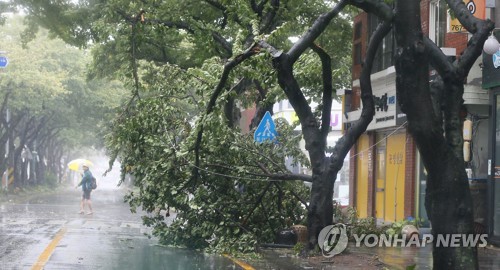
(310, 126)
(177, 25)
(354, 132)
(5, 101)
(304, 202)
(377, 7)
(326, 62)
(238, 88)
(480, 30)
(462, 13)
(223, 42)
(217, 5)
(316, 29)
(262, 108)
(288, 83)
(268, 18)
(141, 18)
(261, 196)
(228, 67)
(438, 59)
(474, 48)
(268, 174)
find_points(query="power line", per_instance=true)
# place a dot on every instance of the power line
(381, 140)
(232, 176)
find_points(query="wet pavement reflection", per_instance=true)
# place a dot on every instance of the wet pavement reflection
(114, 238)
(421, 257)
(111, 238)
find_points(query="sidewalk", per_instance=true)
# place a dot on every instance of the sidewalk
(367, 259)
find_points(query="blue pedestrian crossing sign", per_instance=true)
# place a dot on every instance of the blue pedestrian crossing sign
(3, 62)
(266, 129)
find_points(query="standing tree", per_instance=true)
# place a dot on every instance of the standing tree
(439, 133)
(435, 123)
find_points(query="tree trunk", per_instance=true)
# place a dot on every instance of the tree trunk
(448, 199)
(320, 212)
(60, 167)
(40, 168)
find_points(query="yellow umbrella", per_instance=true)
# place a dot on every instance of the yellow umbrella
(76, 164)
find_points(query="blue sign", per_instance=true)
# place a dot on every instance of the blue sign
(391, 100)
(496, 59)
(266, 129)
(3, 62)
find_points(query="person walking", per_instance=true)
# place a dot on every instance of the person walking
(86, 184)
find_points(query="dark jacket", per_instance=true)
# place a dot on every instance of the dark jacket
(86, 180)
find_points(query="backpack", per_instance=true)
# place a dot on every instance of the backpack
(92, 184)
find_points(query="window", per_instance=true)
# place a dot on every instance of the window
(385, 53)
(437, 21)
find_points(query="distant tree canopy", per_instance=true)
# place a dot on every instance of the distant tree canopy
(49, 110)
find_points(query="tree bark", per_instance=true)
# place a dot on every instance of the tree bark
(448, 200)
(320, 211)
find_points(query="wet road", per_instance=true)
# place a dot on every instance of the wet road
(47, 232)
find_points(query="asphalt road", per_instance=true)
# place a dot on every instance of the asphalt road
(47, 232)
